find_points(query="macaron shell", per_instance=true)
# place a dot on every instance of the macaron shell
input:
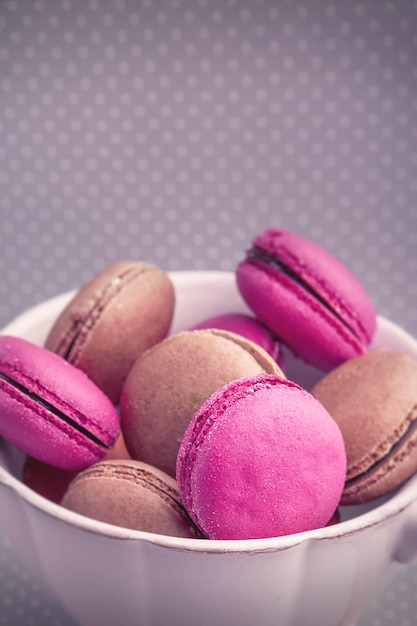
(248, 327)
(316, 327)
(30, 425)
(132, 495)
(373, 398)
(261, 458)
(113, 318)
(170, 381)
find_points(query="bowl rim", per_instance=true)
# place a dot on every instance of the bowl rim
(392, 507)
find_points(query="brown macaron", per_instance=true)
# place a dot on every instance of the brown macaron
(373, 399)
(132, 495)
(169, 382)
(122, 311)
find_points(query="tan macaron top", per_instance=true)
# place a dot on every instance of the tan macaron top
(132, 495)
(373, 398)
(112, 319)
(169, 382)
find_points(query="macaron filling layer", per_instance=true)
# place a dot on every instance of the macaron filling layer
(51, 408)
(393, 449)
(257, 255)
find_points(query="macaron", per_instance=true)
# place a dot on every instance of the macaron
(170, 381)
(122, 311)
(51, 410)
(261, 458)
(373, 399)
(132, 495)
(307, 297)
(248, 327)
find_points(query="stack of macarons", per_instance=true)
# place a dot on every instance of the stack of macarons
(202, 433)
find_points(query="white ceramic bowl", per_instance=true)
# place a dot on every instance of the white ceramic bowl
(103, 574)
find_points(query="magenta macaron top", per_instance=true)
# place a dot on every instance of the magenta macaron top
(261, 458)
(307, 296)
(51, 410)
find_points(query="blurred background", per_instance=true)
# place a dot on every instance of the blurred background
(173, 131)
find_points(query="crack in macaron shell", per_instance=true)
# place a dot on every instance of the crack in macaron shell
(261, 458)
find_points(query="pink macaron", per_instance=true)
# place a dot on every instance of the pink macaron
(307, 297)
(50, 409)
(261, 458)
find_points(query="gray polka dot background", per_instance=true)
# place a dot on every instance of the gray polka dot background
(173, 131)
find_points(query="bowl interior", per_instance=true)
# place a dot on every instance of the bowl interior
(201, 295)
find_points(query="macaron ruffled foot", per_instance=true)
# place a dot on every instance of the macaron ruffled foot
(130, 494)
(50, 409)
(373, 399)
